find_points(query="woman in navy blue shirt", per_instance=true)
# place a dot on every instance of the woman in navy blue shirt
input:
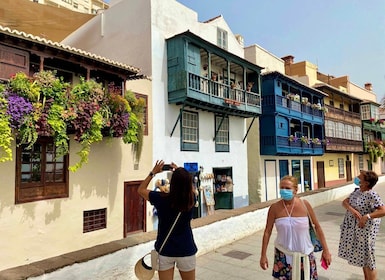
(180, 248)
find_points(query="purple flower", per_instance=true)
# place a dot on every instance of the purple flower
(119, 123)
(18, 108)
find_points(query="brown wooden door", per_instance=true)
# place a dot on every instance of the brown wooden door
(348, 170)
(134, 209)
(320, 174)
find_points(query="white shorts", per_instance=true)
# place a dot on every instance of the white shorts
(184, 264)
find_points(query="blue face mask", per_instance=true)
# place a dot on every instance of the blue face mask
(286, 194)
(357, 181)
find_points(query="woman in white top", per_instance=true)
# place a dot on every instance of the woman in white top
(293, 255)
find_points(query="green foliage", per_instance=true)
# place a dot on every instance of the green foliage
(5, 131)
(93, 135)
(52, 87)
(135, 132)
(27, 133)
(375, 150)
(86, 110)
(56, 121)
(21, 84)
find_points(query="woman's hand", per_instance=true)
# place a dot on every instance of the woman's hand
(264, 263)
(356, 213)
(327, 257)
(173, 166)
(362, 221)
(158, 167)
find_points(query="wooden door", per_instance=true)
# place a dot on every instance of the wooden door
(134, 209)
(320, 174)
(348, 171)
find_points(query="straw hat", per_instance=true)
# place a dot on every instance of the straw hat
(144, 271)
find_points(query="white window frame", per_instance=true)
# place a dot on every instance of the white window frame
(222, 38)
(190, 131)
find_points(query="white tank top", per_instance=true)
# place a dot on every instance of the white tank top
(293, 234)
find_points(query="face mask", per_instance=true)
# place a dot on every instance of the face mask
(286, 194)
(357, 181)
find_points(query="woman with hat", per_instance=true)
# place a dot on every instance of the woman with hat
(179, 248)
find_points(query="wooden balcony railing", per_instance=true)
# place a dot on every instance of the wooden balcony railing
(223, 91)
(346, 145)
(294, 106)
(342, 115)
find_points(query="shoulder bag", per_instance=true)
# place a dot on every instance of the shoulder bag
(313, 234)
(145, 272)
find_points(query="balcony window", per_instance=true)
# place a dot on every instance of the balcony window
(340, 133)
(357, 133)
(369, 111)
(349, 132)
(189, 130)
(365, 112)
(330, 128)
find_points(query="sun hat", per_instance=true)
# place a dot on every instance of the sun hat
(144, 271)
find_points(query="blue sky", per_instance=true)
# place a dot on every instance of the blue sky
(344, 37)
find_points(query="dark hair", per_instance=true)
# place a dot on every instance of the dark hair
(370, 177)
(181, 195)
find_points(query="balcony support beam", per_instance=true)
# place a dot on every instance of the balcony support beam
(219, 127)
(179, 117)
(244, 138)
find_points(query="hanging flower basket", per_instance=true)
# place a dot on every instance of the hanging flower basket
(375, 149)
(45, 105)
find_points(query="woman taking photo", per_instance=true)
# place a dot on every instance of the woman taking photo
(361, 224)
(179, 248)
(293, 254)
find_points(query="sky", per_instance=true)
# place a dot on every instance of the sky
(343, 37)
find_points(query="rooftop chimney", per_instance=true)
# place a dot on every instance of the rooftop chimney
(289, 59)
(368, 86)
(240, 39)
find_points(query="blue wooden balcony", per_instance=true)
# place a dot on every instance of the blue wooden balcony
(283, 105)
(205, 94)
(280, 145)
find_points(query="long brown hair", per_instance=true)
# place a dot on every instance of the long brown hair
(181, 195)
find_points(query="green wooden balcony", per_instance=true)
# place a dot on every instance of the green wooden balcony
(205, 94)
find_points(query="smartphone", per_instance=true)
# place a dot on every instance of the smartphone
(324, 264)
(166, 167)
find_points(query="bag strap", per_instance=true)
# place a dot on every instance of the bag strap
(307, 211)
(168, 235)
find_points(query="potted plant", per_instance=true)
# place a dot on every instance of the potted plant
(305, 140)
(292, 138)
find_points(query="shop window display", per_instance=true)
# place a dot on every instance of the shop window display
(223, 186)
